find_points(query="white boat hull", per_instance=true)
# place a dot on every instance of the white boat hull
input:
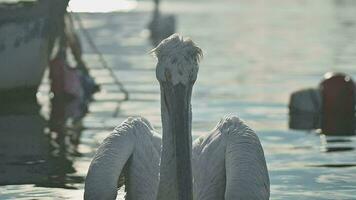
(23, 54)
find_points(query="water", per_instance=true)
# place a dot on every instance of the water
(256, 54)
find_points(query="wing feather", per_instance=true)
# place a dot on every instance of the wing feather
(246, 170)
(132, 145)
(229, 164)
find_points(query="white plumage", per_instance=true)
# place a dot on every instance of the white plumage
(134, 146)
(226, 164)
(229, 163)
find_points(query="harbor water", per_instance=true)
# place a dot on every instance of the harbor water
(256, 53)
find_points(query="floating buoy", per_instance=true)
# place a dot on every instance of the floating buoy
(338, 104)
(304, 109)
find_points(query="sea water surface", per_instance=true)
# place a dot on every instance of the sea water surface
(256, 52)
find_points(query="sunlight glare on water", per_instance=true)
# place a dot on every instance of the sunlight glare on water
(102, 5)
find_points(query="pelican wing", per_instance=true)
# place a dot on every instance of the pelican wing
(134, 146)
(229, 164)
(208, 165)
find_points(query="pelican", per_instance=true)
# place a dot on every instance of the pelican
(226, 164)
(161, 26)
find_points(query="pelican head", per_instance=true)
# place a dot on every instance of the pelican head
(178, 60)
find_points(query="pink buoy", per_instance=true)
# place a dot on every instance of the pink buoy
(338, 104)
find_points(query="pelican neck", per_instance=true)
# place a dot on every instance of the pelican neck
(176, 182)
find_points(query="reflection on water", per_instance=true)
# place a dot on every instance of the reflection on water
(334, 144)
(35, 150)
(333, 165)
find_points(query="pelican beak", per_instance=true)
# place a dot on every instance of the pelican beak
(179, 96)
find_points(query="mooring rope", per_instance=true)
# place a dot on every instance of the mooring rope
(100, 55)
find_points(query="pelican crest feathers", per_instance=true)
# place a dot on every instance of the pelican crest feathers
(178, 60)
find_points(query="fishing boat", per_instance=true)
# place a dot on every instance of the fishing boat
(27, 32)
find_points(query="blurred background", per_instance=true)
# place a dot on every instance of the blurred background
(256, 53)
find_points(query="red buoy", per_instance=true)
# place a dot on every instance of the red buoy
(338, 107)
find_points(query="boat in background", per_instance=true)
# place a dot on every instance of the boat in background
(27, 33)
